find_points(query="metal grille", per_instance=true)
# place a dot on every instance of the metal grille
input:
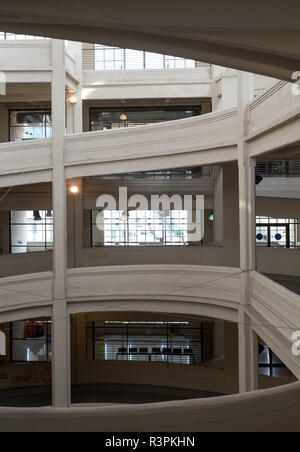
(152, 342)
(281, 168)
(104, 58)
(185, 174)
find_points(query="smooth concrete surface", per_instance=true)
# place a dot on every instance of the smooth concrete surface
(101, 394)
(262, 39)
(274, 410)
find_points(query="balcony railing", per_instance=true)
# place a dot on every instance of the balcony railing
(104, 58)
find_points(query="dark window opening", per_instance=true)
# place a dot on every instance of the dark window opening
(101, 119)
(165, 342)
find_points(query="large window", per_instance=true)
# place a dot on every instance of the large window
(31, 341)
(140, 227)
(31, 231)
(274, 232)
(30, 125)
(104, 58)
(166, 342)
(270, 365)
(101, 119)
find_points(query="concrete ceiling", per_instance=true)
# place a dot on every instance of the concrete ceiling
(258, 36)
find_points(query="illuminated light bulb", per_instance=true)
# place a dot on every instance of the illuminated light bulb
(73, 100)
(124, 117)
(74, 189)
(124, 216)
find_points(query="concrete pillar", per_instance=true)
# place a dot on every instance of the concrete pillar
(231, 357)
(248, 342)
(219, 339)
(218, 204)
(61, 331)
(59, 186)
(246, 181)
(231, 216)
(248, 356)
(74, 111)
(61, 378)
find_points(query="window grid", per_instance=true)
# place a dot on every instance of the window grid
(104, 58)
(152, 228)
(180, 343)
(29, 124)
(270, 365)
(277, 232)
(29, 235)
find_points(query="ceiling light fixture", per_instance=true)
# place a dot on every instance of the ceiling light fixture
(74, 189)
(73, 100)
(124, 216)
(124, 117)
(37, 215)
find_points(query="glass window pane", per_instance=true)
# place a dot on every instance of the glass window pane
(31, 231)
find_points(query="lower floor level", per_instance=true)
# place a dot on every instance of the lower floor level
(130, 358)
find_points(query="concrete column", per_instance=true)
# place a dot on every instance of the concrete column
(231, 215)
(219, 339)
(248, 356)
(78, 119)
(61, 378)
(246, 181)
(59, 186)
(248, 341)
(61, 331)
(74, 111)
(218, 204)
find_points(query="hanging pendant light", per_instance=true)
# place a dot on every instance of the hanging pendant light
(124, 216)
(124, 117)
(49, 214)
(37, 216)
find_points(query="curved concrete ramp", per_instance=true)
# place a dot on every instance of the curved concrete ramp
(258, 39)
(275, 410)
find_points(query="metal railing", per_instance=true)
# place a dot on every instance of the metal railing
(151, 343)
(280, 168)
(116, 59)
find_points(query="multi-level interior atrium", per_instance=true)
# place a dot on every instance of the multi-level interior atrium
(149, 241)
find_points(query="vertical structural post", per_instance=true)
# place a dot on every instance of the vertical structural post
(218, 204)
(61, 328)
(246, 179)
(74, 111)
(248, 355)
(79, 73)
